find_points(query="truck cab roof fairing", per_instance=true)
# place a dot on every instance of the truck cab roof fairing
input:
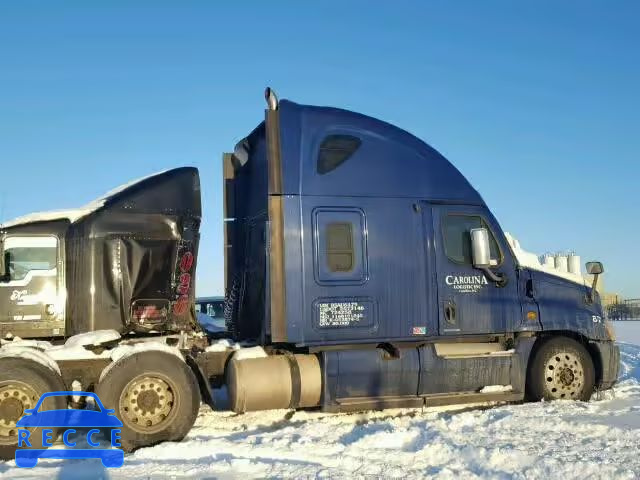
(126, 196)
(389, 162)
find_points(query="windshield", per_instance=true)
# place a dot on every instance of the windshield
(25, 254)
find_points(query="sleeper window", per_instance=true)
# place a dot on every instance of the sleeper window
(340, 247)
(335, 150)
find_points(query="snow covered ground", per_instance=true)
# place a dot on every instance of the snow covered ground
(599, 439)
(628, 332)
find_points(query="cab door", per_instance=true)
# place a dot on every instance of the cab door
(468, 301)
(30, 304)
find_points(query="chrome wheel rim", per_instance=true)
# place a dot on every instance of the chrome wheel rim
(15, 398)
(148, 403)
(564, 376)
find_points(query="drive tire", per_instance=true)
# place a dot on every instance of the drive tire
(22, 382)
(561, 369)
(154, 394)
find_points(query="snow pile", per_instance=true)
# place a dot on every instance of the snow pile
(503, 353)
(531, 260)
(74, 347)
(222, 345)
(29, 353)
(627, 331)
(249, 352)
(496, 388)
(92, 338)
(125, 350)
(227, 344)
(17, 341)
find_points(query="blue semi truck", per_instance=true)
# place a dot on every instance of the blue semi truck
(362, 271)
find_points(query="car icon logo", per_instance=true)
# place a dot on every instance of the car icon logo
(68, 421)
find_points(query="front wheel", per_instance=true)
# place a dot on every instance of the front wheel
(155, 395)
(560, 369)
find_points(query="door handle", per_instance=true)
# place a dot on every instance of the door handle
(529, 289)
(450, 312)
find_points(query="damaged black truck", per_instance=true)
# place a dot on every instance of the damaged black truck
(362, 271)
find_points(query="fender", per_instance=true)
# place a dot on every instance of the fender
(203, 382)
(123, 351)
(21, 351)
(563, 306)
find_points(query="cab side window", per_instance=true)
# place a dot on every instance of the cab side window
(30, 254)
(457, 238)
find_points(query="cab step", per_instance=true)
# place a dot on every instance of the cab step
(433, 400)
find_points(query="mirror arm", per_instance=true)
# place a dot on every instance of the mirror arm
(594, 284)
(499, 279)
(4, 277)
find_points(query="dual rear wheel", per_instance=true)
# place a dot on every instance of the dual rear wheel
(154, 394)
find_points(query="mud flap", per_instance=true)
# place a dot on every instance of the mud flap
(203, 383)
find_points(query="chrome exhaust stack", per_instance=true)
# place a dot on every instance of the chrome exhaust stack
(271, 98)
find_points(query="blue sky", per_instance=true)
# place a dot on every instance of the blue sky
(537, 104)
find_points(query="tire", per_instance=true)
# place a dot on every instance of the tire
(560, 369)
(22, 382)
(155, 395)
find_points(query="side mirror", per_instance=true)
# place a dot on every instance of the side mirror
(594, 268)
(480, 251)
(481, 255)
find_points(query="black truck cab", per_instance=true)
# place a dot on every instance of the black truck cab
(123, 262)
